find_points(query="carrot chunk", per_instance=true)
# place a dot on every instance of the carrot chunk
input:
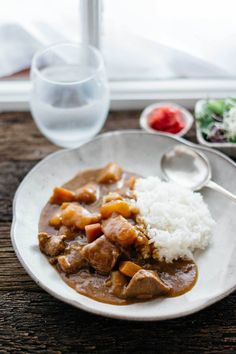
(115, 206)
(111, 173)
(61, 195)
(93, 231)
(129, 268)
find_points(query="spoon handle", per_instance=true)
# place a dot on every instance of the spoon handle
(222, 190)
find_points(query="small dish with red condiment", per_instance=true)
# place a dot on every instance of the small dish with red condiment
(166, 117)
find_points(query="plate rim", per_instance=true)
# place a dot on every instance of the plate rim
(85, 307)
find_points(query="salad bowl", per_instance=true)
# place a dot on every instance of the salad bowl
(228, 148)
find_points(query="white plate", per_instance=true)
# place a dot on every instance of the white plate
(139, 152)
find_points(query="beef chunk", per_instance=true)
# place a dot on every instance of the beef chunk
(101, 254)
(145, 284)
(111, 173)
(74, 215)
(72, 261)
(119, 230)
(87, 194)
(51, 245)
(69, 234)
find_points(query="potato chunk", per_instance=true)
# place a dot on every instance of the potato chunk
(74, 215)
(111, 173)
(129, 268)
(119, 230)
(93, 231)
(87, 194)
(55, 220)
(115, 206)
(51, 245)
(61, 195)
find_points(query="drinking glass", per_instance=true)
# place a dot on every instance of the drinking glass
(70, 97)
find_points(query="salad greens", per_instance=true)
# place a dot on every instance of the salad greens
(217, 120)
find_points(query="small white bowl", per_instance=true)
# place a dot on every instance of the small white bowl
(186, 115)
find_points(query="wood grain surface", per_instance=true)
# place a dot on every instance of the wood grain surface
(32, 321)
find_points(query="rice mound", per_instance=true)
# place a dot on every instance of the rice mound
(177, 219)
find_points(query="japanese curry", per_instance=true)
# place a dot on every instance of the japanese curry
(91, 232)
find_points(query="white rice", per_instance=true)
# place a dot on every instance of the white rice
(177, 219)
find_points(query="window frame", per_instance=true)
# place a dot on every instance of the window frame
(125, 95)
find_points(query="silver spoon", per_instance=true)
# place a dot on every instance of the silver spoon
(190, 169)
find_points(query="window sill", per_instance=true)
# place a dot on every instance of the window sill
(128, 95)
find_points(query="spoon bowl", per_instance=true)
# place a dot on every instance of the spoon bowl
(186, 167)
(189, 168)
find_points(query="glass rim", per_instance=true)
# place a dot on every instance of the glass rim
(44, 50)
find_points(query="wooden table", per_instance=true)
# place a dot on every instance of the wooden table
(32, 321)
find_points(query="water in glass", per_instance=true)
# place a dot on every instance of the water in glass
(70, 98)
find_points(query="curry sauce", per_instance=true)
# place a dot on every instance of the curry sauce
(95, 267)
